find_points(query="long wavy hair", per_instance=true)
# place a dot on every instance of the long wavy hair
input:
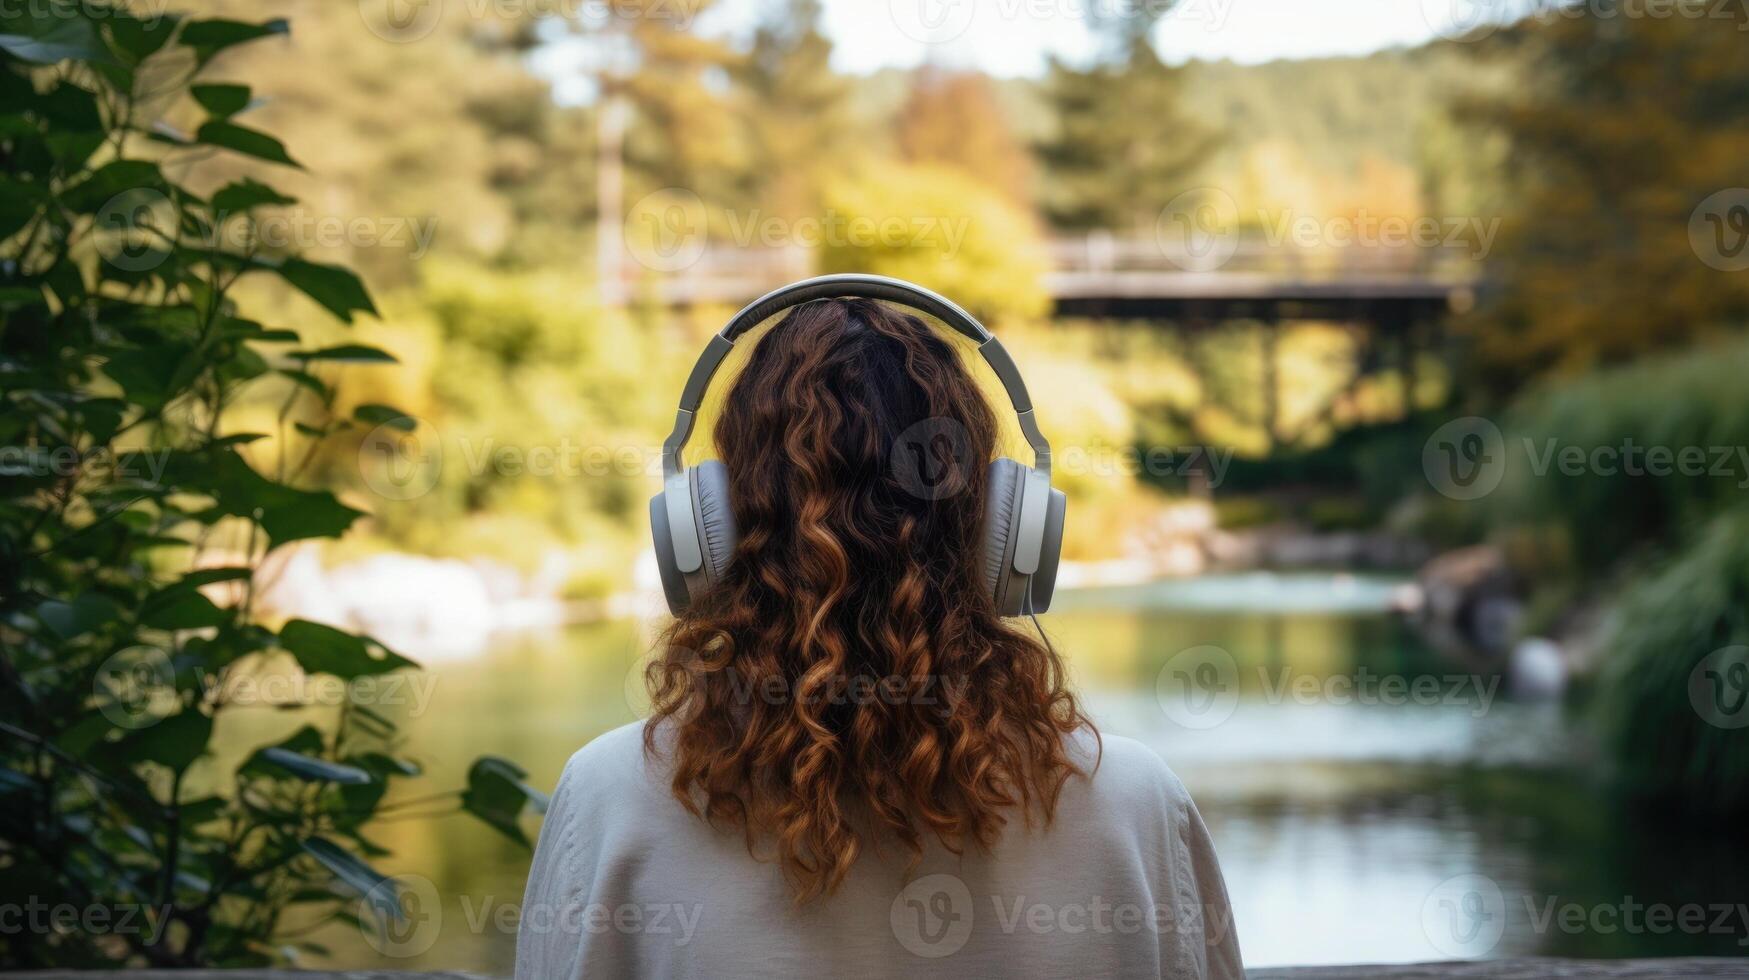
(848, 681)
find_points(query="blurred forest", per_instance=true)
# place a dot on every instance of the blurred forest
(507, 336)
(1591, 143)
(520, 187)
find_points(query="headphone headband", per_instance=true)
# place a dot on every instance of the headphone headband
(861, 286)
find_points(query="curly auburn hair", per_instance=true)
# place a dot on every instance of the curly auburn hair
(849, 680)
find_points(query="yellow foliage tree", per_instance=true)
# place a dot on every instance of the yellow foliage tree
(942, 229)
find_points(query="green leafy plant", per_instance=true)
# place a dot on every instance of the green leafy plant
(1669, 452)
(1670, 697)
(134, 526)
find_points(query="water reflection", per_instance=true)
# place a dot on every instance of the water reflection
(1338, 813)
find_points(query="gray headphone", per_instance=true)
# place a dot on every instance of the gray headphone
(694, 529)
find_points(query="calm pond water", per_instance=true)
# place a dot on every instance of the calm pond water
(1370, 803)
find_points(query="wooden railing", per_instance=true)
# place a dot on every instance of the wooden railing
(1098, 265)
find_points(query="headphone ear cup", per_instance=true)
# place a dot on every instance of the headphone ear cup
(1004, 480)
(673, 579)
(717, 534)
(1044, 581)
(707, 507)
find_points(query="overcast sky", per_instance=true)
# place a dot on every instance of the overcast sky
(1012, 37)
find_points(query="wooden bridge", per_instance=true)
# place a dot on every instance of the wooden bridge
(1390, 289)
(1394, 301)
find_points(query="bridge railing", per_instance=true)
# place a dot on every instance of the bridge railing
(735, 274)
(1251, 253)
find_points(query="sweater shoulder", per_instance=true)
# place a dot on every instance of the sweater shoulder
(1130, 776)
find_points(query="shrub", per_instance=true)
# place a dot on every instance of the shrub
(1675, 671)
(132, 524)
(1691, 402)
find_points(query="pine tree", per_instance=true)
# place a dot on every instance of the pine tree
(1123, 144)
(796, 112)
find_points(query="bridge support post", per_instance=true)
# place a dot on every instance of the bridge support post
(1271, 383)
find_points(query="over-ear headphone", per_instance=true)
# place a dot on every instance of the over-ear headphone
(694, 528)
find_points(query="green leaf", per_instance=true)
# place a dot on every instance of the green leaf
(385, 765)
(497, 794)
(355, 874)
(70, 108)
(323, 649)
(140, 38)
(367, 717)
(339, 290)
(181, 609)
(312, 514)
(394, 418)
(50, 38)
(211, 576)
(349, 353)
(203, 810)
(285, 513)
(151, 375)
(19, 202)
(112, 180)
(209, 37)
(235, 439)
(304, 379)
(242, 139)
(73, 619)
(314, 769)
(174, 742)
(245, 194)
(100, 417)
(222, 100)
